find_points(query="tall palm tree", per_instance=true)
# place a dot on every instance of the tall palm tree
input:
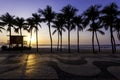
(61, 20)
(36, 18)
(58, 28)
(20, 23)
(69, 12)
(7, 20)
(1, 28)
(31, 25)
(110, 14)
(91, 15)
(79, 23)
(117, 27)
(49, 16)
(58, 24)
(96, 28)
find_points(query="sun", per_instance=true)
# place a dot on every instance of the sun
(33, 39)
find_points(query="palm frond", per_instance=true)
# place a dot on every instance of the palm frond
(2, 28)
(1, 31)
(16, 30)
(101, 32)
(63, 29)
(90, 29)
(54, 32)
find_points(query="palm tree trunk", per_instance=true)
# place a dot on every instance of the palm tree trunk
(58, 42)
(93, 41)
(37, 39)
(68, 41)
(111, 34)
(114, 43)
(30, 38)
(9, 37)
(97, 41)
(78, 40)
(20, 32)
(50, 35)
(21, 35)
(61, 41)
(118, 35)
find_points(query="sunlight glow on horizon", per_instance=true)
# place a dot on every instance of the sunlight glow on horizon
(25, 8)
(33, 39)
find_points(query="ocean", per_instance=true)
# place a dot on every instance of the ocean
(80, 46)
(75, 46)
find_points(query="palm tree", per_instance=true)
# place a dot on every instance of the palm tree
(61, 21)
(36, 18)
(117, 27)
(7, 20)
(49, 16)
(69, 12)
(57, 29)
(110, 14)
(91, 15)
(31, 25)
(58, 24)
(79, 23)
(20, 23)
(1, 28)
(96, 28)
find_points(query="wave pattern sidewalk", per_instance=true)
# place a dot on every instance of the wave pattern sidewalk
(60, 66)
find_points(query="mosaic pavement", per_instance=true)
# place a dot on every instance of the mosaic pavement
(60, 66)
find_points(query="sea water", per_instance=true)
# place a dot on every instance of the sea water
(80, 46)
(75, 46)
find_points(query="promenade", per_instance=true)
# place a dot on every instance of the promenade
(60, 66)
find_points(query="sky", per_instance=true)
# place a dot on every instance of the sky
(24, 8)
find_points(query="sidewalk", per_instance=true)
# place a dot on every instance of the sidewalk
(60, 66)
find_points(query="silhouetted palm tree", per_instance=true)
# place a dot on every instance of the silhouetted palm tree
(1, 28)
(96, 28)
(58, 28)
(58, 24)
(61, 20)
(117, 27)
(20, 23)
(36, 18)
(91, 15)
(31, 25)
(69, 12)
(48, 15)
(7, 20)
(79, 23)
(110, 13)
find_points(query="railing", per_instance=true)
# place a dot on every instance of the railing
(24, 42)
